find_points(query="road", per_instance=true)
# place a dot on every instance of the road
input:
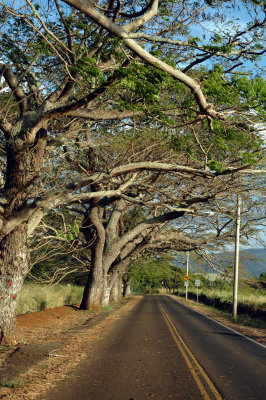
(163, 350)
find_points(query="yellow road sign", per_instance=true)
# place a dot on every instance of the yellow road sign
(186, 277)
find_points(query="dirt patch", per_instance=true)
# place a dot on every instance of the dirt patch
(55, 341)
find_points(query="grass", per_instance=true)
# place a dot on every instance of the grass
(107, 308)
(250, 299)
(12, 383)
(37, 297)
(243, 319)
(248, 321)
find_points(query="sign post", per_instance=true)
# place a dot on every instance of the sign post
(197, 284)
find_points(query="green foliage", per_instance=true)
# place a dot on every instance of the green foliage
(144, 81)
(253, 91)
(219, 293)
(219, 90)
(248, 320)
(165, 9)
(224, 141)
(263, 275)
(215, 166)
(154, 273)
(183, 143)
(262, 279)
(194, 41)
(108, 308)
(223, 49)
(87, 68)
(244, 92)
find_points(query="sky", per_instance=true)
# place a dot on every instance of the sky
(241, 17)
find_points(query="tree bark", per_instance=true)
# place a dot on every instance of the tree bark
(106, 296)
(13, 269)
(127, 288)
(23, 165)
(92, 295)
(116, 290)
(13, 246)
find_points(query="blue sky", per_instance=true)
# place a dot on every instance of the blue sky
(233, 18)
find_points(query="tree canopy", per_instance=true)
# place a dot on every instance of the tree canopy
(80, 79)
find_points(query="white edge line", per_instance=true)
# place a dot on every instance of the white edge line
(219, 323)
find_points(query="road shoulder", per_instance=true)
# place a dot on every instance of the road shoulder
(257, 334)
(52, 348)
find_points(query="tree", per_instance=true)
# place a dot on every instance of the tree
(152, 273)
(61, 67)
(57, 252)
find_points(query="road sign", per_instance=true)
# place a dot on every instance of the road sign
(186, 284)
(186, 277)
(197, 284)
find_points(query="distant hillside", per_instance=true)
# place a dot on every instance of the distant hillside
(253, 260)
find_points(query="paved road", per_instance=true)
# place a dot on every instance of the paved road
(163, 350)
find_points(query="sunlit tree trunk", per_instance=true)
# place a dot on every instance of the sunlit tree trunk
(116, 291)
(92, 295)
(127, 288)
(13, 267)
(14, 263)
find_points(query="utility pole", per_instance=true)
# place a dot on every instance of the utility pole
(187, 274)
(236, 262)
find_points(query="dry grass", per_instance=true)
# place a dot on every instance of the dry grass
(36, 297)
(251, 300)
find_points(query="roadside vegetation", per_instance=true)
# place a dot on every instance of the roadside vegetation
(36, 297)
(219, 294)
(157, 275)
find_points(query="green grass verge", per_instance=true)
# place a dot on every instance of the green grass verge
(249, 301)
(36, 297)
(248, 321)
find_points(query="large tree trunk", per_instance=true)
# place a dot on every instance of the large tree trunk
(92, 295)
(13, 246)
(127, 288)
(105, 300)
(116, 291)
(13, 269)
(23, 165)
(94, 288)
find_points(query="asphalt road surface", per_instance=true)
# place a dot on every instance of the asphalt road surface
(163, 350)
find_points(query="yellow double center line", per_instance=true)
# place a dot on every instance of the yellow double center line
(195, 368)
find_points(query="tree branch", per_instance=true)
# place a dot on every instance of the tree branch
(134, 25)
(13, 83)
(89, 9)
